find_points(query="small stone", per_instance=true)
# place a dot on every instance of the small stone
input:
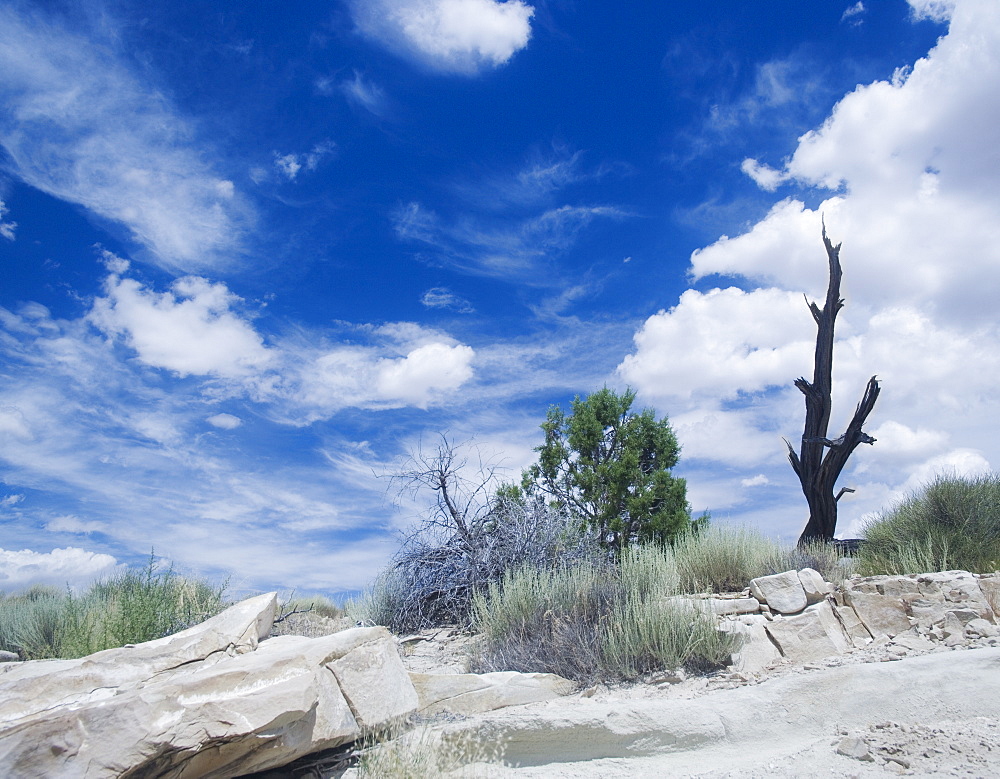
(898, 761)
(855, 748)
(8, 657)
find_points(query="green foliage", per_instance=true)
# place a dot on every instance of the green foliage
(614, 621)
(611, 468)
(129, 608)
(951, 524)
(724, 558)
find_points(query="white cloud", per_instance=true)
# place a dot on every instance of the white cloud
(760, 480)
(224, 421)
(364, 93)
(73, 524)
(358, 376)
(764, 176)
(492, 246)
(858, 9)
(442, 297)
(418, 376)
(936, 10)
(289, 165)
(908, 167)
(192, 329)
(82, 126)
(6, 228)
(720, 343)
(75, 567)
(459, 36)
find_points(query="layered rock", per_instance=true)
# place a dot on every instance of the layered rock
(803, 618)
(218, 700)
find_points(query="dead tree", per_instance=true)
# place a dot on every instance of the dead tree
(820, 459)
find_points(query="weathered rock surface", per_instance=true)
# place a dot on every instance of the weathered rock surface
(215, 701)
(812, 635)
(477, 693)
(782, 592)
(754, 725)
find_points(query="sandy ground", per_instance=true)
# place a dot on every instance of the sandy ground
(935, 715)
(908, 707)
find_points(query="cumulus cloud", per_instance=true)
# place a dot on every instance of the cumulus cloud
(692, 350)
(193, 329)
(70, 566)
(907, 166)
(458, 36)
(360, 377)
(80, 124)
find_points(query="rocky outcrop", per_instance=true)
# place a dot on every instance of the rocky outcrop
(218, 700)
(802, 618)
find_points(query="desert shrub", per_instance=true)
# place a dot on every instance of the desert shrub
(317, 604)
(823, 557)
(31, 622)
(128, 608)
(724, 558)
(432, 578)
(589, 621)
(952, 523)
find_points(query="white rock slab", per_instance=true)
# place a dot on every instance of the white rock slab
(782, 592)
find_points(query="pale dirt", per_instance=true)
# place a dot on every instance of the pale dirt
(909, 707)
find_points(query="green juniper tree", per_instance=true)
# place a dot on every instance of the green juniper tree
(611, 468)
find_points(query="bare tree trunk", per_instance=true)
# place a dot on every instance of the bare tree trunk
(818, 471)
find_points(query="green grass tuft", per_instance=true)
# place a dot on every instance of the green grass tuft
(951, 524)
(129, 608)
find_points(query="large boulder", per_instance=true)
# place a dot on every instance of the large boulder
(882, 615)
(782, 592)
(201, 703)
(812, 635)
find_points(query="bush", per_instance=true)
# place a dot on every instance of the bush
(724, 558)
(129, 608)
(432, 579)
(951, 524)
(596, 621)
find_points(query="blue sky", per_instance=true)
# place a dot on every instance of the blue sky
(252, 255)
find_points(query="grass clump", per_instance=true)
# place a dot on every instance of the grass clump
(724, 558)
(131, 607)
(953, 523)
(594, 621)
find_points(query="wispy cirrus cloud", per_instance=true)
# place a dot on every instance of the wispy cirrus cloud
(6, 228)
(504, 248)
(365, 93)
(442, 297)
(456, 36)
(82, 125)
(158, 445)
